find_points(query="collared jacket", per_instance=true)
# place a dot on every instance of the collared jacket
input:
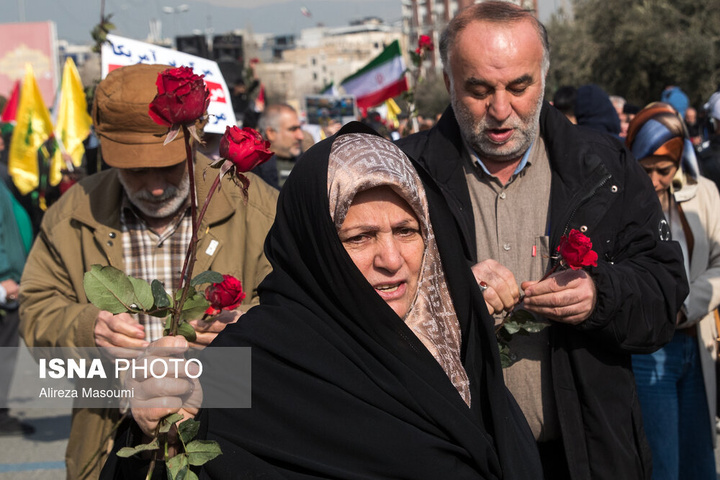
(709, 159)
(598, 188)
(700, 203)
(83, 229)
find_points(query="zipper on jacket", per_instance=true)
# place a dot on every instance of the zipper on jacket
(587, 197)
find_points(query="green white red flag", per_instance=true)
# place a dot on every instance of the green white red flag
(382, 78)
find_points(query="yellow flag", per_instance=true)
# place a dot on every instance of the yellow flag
(393, 110)
(32, 129)
(73, 121)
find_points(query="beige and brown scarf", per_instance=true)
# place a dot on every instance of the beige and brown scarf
(360, 162)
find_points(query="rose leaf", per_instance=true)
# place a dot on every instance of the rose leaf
(188, 430)
(109, 289)
(126, 452)
(143, 293)
(206, 277)
(202, 451)
(187, 331)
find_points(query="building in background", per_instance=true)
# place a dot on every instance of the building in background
(86, 61)
(34, 43)
(291, 68)
(429, 17)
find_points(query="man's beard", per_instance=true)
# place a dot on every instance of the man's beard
(161, 206)
(525, 132)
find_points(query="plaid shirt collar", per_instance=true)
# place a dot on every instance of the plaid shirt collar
(152, 256)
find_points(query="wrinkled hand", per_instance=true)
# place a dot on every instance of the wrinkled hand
(11, 288)
(121, 330)
(568, 296)
(156, 398)
(207, 330)
(502, 292)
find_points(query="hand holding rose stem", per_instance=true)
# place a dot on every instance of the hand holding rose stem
(182, 100)
(574, 251)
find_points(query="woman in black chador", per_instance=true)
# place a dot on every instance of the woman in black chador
(373, 354)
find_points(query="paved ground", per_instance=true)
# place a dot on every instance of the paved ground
(41, 455)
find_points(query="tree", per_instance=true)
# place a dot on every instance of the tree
(572, 54)
(635, 48)
(431, 96)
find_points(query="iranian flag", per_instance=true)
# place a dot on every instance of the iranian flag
(382, 78)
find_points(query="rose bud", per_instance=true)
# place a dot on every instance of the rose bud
(425, 42)
(245, 148)
(182, 97)
(226, 295)
(576, 250)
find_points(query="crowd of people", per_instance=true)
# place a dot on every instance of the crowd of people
(379, 268)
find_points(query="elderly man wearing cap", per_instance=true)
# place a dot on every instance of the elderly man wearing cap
(135, 217)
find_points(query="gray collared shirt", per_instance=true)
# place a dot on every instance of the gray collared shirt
(511, 226)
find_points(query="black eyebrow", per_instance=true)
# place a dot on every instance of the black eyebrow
(524, 79)
(478, 82)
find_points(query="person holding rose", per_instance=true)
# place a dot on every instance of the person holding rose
(676, 384)
(373, 354)
(136, 217)
(518, 176)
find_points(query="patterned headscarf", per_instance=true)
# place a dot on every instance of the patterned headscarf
(359, 162)
(659, 130)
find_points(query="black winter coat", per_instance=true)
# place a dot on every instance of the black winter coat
(598, 188)
(709, 160)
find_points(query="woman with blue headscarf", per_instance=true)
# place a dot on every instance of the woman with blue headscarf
(676, 384)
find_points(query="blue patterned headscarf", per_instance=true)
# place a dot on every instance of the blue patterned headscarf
(659, 130)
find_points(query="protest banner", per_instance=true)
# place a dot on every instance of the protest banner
(119, 52)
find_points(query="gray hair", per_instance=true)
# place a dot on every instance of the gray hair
(495, 12)
(270, 117)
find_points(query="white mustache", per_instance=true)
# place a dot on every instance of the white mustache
(145, 196)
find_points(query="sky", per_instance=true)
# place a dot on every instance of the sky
(75, 18)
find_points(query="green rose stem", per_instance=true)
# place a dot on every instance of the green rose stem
(226, 166)
(196, 219)
(151, 469)
(189, 263)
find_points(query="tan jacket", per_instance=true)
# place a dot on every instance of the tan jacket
(83, 229)
(700, 202)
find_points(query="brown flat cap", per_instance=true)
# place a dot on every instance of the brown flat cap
(129, 138)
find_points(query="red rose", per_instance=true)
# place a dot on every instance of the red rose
(182, 97)
(425, 42)
(245, 148)
(226, 295)
(576, 250)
